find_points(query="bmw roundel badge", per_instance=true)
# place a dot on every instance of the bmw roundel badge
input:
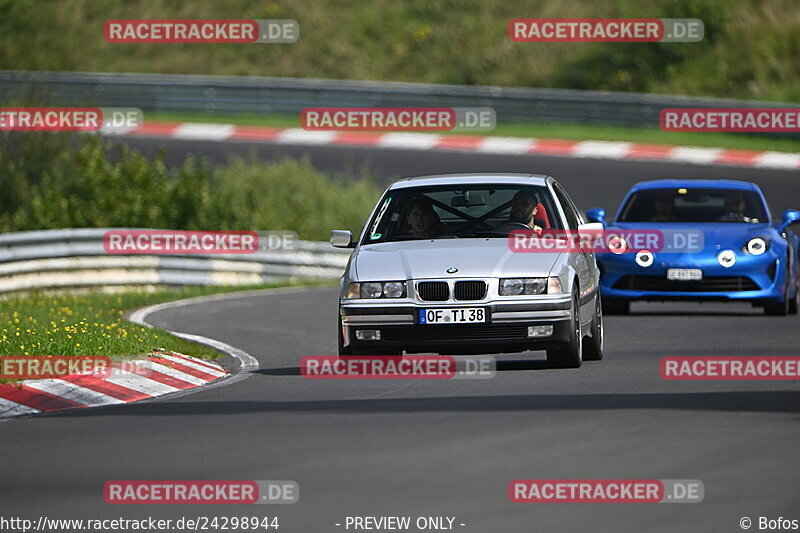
(452, 270)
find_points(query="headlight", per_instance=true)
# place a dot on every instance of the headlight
(371, 290)
(377, 289)
(727, 258)
(756, 246)
(520, 286)
(394, 289)
(644, 258)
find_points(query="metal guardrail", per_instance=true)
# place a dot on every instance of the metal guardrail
(262, 95)
(76, 258)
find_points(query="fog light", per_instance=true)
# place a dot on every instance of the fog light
(644, 258)
(368, 334)
(540, 331)
(727, 258)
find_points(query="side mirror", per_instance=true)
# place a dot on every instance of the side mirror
(341, 238)
(597, 214)
(590, 228)
(790, 216)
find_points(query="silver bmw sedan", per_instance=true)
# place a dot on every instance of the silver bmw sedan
(436, 269)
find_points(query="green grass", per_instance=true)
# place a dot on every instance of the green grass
(750, 48)
(547, 131)
(70, 324)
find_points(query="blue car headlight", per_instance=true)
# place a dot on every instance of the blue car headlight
(756, 246)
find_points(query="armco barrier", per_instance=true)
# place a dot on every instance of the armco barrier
(76, 258)
(262, 95)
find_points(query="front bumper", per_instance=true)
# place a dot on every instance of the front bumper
(506, 328)
(758, 279)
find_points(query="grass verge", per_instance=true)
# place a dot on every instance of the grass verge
(737, 141)
(38, 323)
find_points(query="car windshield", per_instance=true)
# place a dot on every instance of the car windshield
(694, 205)
(449, 212)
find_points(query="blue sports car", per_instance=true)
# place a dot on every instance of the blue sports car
(740, 256)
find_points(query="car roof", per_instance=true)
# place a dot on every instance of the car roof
(695, 183)
(471, 179)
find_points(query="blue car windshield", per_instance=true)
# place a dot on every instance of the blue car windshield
(450, 212)
(694, 205)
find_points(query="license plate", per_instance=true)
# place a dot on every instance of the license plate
(684, 274)
(462, 315)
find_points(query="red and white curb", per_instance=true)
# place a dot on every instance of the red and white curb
(469, 143)
(140, 379)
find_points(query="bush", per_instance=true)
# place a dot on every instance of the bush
(50, 181)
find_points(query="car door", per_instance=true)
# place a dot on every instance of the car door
(583, 260)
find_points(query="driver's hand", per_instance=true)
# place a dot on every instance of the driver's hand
(537, 229)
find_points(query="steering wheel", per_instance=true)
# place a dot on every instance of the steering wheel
(513, 225)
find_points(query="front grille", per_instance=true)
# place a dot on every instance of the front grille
(469, 290)
(454, 333)
(433, 291)
(662, 284)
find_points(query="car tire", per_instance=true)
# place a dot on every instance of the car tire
(615, 306)
(779, 308)
(570, 354)
(593, 345)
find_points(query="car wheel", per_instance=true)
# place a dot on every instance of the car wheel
(613, 306)
(570, 354)
(779, 308)
(593, 345)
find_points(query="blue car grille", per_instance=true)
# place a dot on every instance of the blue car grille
(662, 284)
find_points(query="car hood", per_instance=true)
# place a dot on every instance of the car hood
(431, 259)
(715, 235)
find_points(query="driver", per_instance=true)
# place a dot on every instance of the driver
(662, 205)
(524, 207)
(734, 208)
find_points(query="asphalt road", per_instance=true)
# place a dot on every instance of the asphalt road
(445, 448)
